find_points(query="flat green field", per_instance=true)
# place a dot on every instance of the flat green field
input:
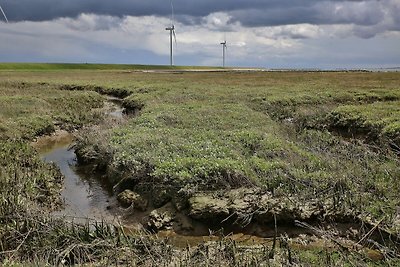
(327, 138)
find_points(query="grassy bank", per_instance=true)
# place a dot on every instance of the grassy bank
(30, 110)
(213, 132)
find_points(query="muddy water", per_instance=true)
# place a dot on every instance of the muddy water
(86, 195)
(114, 107)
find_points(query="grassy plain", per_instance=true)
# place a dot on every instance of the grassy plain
(280, 131)
(217, 131)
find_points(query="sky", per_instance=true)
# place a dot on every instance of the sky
(322, 34)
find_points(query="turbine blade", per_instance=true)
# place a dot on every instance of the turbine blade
(175, 37)
(4, 14)
(172, 14)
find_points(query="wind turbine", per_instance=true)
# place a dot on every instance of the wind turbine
(172, 33)
(4, 14)
(224, 48)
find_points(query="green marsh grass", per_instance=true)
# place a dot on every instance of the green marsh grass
(215, 131)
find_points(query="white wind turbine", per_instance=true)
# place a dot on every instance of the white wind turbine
(224, 48)
(172, 35)
(4, 14)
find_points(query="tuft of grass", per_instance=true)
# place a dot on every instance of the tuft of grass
(380, 119)
(29, 110)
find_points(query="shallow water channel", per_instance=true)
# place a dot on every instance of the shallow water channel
(85, 194)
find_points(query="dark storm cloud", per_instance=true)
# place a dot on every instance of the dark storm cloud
(248, 12)
(359, 13)
(39, 10)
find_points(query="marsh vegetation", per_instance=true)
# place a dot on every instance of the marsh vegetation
(256, 153)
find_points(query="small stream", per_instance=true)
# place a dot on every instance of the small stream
(86, 195)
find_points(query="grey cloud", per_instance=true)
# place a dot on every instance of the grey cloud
(364, 32)
(394, 9)
(359, 13)
(294, 35)
(249, 13)
(273, 17)
(189, 20)
(39, 10)
(94, 23)
(389, 22)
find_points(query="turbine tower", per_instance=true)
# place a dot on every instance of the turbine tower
(224, 48)
(172, 35)
(4, 14)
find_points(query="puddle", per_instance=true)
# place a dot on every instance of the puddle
(114, 107)
(85, 195)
